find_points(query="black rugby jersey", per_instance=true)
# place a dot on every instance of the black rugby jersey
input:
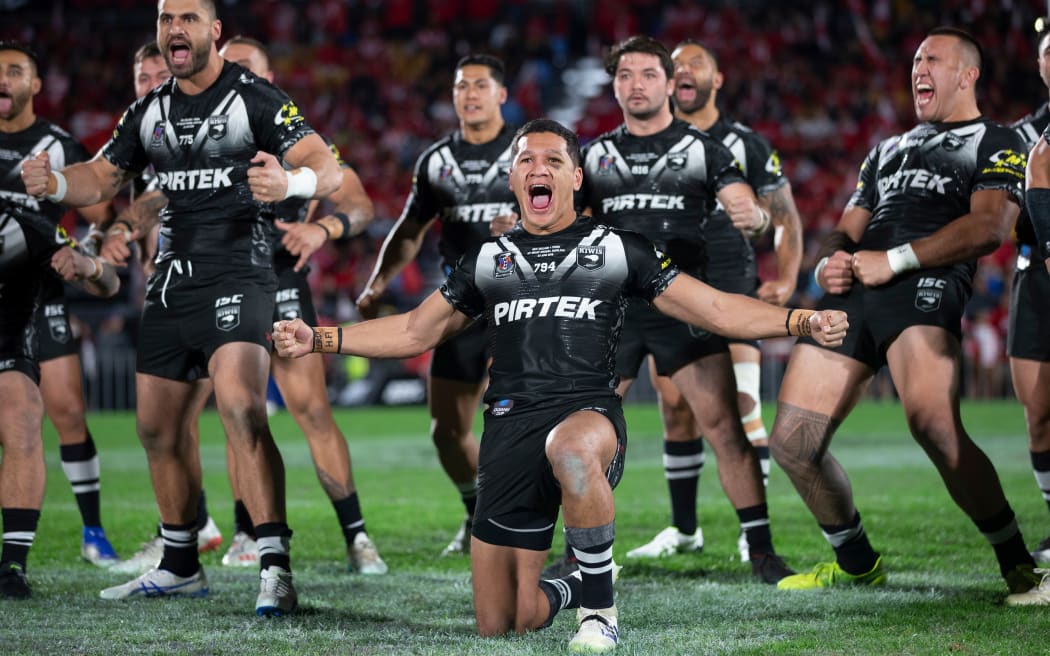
(662, 185)
(465, 186)
(554, 307)
(292, 210)
(29, 230)
(17, 147)
(200, 147)
(730, 255)
(1030, 128)
(915, 183)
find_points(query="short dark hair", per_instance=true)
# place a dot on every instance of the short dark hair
(18, 46)
(147, 50)
(694, 42)
(967, 40)
(249, 41)
(493, 63)
(572, 142)
(639, 43)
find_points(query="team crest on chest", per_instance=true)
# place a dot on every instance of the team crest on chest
(217, 127)
(677, 161)
(606, 164)
(504, 264)
(445, 172)
(590, 257)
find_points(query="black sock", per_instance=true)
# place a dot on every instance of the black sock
(683, 462)
(468, 492)
(80, 464)
(1002, 533)
(561, 594)
(202, 511)
(242, 521)
(853, 552)
(593, 549)
(762, 453)
(754, 521)
(348, 511)
(19, 532)
(273, 539)
(180, 549)
(1041, 469)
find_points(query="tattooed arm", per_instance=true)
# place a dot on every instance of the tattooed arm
(787, 243)
(86, 183)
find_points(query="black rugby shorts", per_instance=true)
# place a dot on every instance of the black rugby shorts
(462, 357)
(672, 343)
(877, 315)
(518, 496)
(192, 309)
(1028, 334)
(52, 323)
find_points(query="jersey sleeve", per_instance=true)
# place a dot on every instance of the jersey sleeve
(124, 149)
(276, 120)
(765, 171)
(460, 290)
(865, 194)
(724, 168)
(1001, 162)
(420, 207)
(650, 270)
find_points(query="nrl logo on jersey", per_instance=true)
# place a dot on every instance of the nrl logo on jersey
(158, 135)
(606, 164)
(590, 257)
(217, 127)
(504, 265)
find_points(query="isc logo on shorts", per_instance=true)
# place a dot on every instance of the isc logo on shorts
(228, 312)
(7, 364)
(928, 294)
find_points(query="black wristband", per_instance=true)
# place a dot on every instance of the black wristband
(345, 220)
(327, 232)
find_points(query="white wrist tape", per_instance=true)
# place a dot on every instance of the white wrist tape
(820, 267)
(902, 258)
(60, 188)
(302, 183)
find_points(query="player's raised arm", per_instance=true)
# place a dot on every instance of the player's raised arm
(403, 335)
(79, 185)
(735, 315)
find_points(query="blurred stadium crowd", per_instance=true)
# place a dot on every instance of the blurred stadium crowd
(823, 80)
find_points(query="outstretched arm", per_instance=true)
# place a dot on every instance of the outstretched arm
(403, 335)
(735, 315)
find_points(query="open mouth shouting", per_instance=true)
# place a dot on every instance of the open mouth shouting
(179, 52)
(6, 103)
(540, 196)
(923, 94)
(685, 89)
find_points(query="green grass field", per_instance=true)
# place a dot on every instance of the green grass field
(943, 597)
